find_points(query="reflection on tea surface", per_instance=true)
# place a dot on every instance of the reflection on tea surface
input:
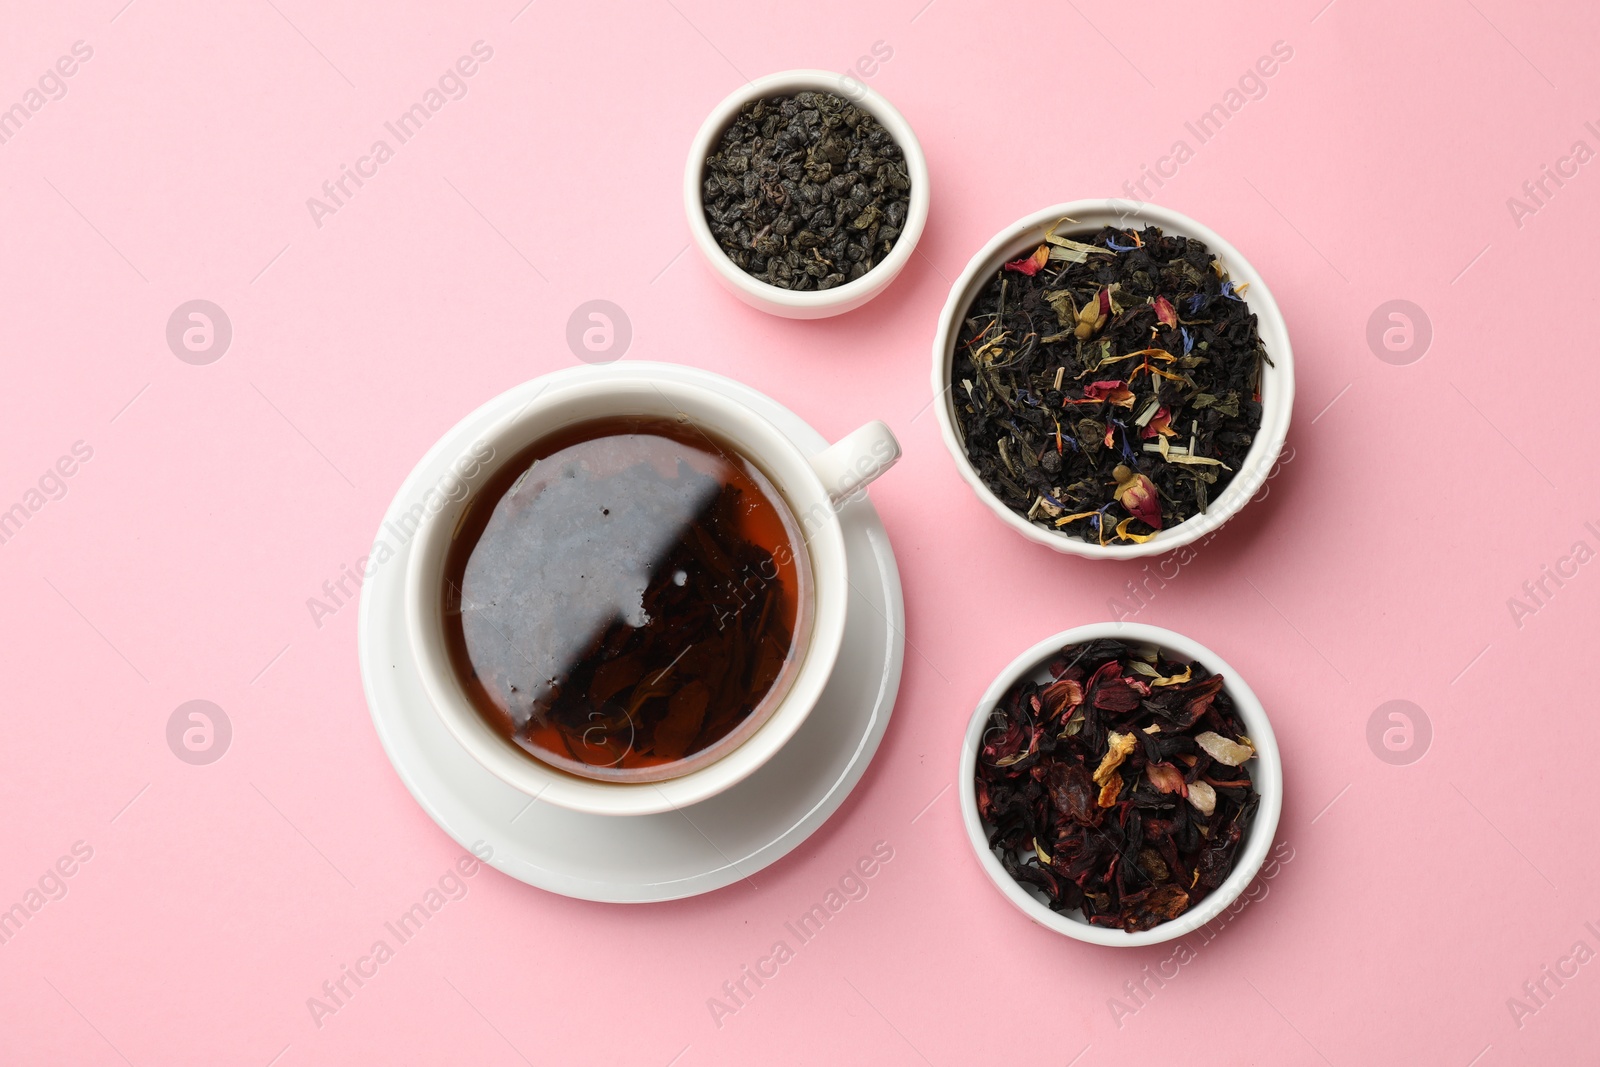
(627, 600)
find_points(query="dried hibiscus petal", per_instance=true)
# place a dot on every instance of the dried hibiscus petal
(1141, 911)
(1059, 695)
(1166, 778)
(1073, 794)
(1116, 695)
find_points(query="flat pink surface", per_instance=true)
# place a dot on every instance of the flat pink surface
(176, 562)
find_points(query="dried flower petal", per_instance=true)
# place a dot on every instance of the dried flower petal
(1116, 695)
(1074, 724)
(1176, 679)
(1141, 911)
(1030, 264)
(1128, 535)
(1165, 311)
(1201, 695)
(1198, 461)
(1223, 750)
(1120, 745)
(1109, 791)
(1160, 423)
(1166, 778)
(1072, 793)
(1138, 494)
(1060, 695)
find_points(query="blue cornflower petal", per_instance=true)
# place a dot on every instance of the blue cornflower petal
(1188, 340)
(1116, 246)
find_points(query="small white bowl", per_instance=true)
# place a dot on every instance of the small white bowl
(1277, 380)
(1265, 770)
(817, 304)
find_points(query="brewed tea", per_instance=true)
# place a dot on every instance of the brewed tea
(628, 599)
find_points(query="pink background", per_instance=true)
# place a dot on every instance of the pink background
(219, 498)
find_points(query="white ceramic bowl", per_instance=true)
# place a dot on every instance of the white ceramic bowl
(817, 304)
(1277, 380)
(1265, 770)
(812, 486)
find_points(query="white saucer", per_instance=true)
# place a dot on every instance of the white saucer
(647, 857)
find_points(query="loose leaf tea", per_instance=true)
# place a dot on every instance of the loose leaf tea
(1121, 787)
(806, 191)
(626, 597)
(1109, 387)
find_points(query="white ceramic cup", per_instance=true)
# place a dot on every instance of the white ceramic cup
(813, 487)
(1266, 771)
(1277, 380)
(817, 304)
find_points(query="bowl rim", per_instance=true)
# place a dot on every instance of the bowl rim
(851, 294)
(1268, 777)
(1278, 380)
(527, 774)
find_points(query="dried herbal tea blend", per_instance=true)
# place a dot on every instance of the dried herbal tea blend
(1109, 388)
(625, 597)
(1121, 787)
(806, 191)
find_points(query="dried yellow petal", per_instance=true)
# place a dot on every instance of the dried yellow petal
(1122, 532)
(1109, 791)
(1120, 748)
(1176, 679)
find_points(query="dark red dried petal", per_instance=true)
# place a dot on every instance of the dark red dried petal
(1116, 695)
(1073, 792)
(1141, 911)
(1061, 695)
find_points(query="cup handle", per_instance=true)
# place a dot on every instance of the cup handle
(856, 459)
